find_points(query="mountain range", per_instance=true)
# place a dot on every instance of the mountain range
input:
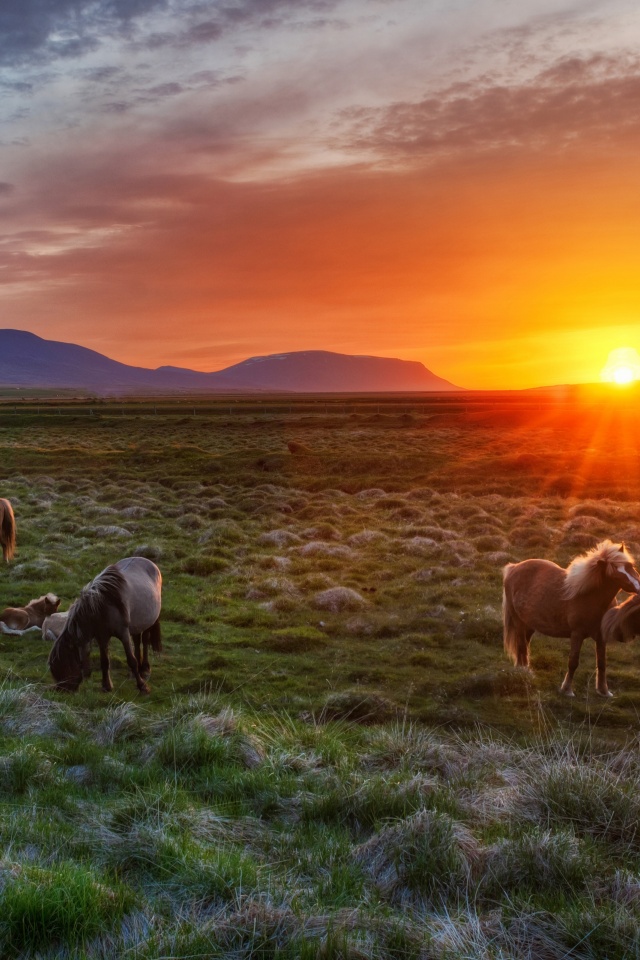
(27, 360)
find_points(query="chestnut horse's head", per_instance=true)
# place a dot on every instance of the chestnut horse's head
(605, 566)
(622, 571)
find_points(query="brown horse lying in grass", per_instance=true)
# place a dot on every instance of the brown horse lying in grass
(622, 623)
(7, 530)
(31, 617)
(540, 595)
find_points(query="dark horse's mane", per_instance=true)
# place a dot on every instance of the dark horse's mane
(105, 591)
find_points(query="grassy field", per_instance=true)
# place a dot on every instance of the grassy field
(336, 759)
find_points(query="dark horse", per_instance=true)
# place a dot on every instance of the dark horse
(123, 601)
(7, 530)
(540, 595)
(622, 623)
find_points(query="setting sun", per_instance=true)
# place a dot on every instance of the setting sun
(623, 375)
(622, 366)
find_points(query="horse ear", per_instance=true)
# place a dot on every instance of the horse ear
(622, 546)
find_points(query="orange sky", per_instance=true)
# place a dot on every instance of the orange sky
(306, 177)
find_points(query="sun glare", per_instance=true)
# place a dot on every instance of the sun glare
(622, 366)
(623, 375)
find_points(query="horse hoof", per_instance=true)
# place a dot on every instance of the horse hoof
(144, 689)
(106, 689)
(604, 693)
(567, 693)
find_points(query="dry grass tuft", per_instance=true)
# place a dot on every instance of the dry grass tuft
(338, 599)
(120, 722)
(428, 854)
(24, 711)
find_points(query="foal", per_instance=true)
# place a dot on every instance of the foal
(31, 617)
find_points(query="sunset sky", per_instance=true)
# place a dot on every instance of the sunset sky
(198, 181)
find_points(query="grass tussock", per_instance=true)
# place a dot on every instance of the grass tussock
(199, 826)
(312, 774)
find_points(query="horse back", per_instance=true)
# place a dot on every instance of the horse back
(143, 591)
(535, 592)
(14, 618)
(53, 625)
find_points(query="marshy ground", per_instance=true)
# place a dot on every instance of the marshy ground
(336, 759)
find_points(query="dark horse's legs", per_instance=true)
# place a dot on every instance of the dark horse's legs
(577, 639)
(142, 657)
(131, 660)
(107, 685)
(145, 669)
(137, 637)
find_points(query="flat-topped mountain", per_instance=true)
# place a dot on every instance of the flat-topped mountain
(30, 361)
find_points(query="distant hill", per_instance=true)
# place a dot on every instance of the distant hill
(29, 361)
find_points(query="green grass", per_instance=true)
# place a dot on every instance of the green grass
(44, 907)
(335, 760)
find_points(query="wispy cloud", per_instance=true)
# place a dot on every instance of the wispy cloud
(315, 172)
(575, 101)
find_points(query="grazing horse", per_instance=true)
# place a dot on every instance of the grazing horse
(20, 619)
(622, 623)
(123, 601)
(540, 595)
(7, 530)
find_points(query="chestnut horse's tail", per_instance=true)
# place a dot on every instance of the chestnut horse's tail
(155, 637)
(515, 634)
(7, 530)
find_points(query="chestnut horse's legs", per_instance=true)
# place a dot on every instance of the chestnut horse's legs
(107, 685)
(601, 666)
(577, 640)
(527, 644)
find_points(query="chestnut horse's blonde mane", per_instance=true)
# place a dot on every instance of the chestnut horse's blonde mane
(583, 573)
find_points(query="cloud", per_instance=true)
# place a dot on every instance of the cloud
(51, 29)
(55, 29)
(574, 101)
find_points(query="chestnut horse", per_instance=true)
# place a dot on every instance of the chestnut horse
(123, 601)
(540, 595)
(7, 530)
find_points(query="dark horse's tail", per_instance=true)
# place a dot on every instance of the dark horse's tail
(515, 638)
(7, 531)
(155, 637)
